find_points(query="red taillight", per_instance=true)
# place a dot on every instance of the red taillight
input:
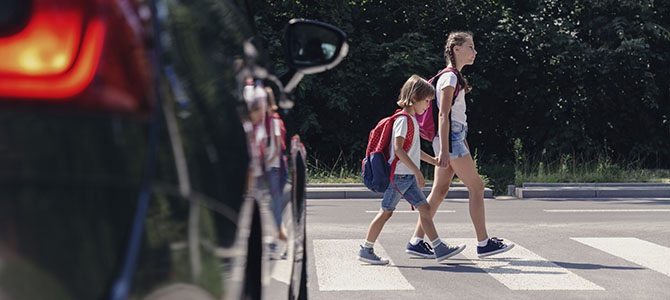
(47, 46)
(55, 55)
(68, 54)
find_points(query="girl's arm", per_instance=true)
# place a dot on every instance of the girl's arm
(446, 95)
(429, 159)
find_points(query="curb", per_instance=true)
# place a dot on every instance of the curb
(359, 191)
(591, 190)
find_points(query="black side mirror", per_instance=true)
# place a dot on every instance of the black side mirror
(312, 47)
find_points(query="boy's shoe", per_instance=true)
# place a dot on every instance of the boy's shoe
(367, 254)
(494, 246)
(444, 251)
(422, 249)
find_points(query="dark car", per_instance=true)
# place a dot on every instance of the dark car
(126, 151)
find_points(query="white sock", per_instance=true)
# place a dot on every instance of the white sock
(415, 241)
(368, 244)
(436, 242)
(483, 243)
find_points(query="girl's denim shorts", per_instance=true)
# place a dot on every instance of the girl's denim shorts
(458, 134)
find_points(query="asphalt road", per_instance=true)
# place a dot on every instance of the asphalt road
(565, 249)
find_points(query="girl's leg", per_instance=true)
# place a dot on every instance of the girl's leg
(377, 224)
(443, 177)
(467, 172)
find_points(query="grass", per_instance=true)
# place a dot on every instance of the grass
(602, 169)
(525, 168)
(339, 172)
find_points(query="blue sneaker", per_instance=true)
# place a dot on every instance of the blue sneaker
(421, 249)
(494, 246)
(367, 254)
(444, 251)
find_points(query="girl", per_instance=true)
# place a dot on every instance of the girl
(459, 51)
(407, 182)
(273, 159)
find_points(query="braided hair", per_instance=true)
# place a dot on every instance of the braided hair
(456, 38)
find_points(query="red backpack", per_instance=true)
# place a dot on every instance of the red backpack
(377, 173)
(281, 128)
(428, 121)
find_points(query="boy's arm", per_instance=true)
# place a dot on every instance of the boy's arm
(404, 158)
(429, 159)
(277, 146)
(276, 139)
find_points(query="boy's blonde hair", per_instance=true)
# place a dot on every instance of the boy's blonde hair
(415, 88)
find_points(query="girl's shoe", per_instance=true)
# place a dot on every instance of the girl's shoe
(494, 246)
(367, 254)
(422, 249)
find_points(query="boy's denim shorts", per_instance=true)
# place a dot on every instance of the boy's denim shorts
(408, 187)
(458, 134)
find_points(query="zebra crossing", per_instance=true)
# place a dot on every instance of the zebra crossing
(519, 269)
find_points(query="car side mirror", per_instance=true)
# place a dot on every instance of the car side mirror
(312, 47)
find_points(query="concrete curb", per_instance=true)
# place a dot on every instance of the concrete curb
(359, 191)
(592, 190)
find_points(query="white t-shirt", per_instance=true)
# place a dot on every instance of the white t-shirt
(414, 153)
(270, 150)
(458, 109)
(259, 140)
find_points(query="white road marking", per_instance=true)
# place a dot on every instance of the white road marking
(521, 269)
(605, 210)
(281, 269)
(337, 268)
(407, 211)
(641, 252)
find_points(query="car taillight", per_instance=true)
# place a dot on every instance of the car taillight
(65, 52)
(55, 55)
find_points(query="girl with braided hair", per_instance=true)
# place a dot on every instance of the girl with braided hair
(453, 154)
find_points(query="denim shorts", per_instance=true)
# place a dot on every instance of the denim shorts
(407, 185)
(458, 134)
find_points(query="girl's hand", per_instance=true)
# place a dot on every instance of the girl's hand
(420, 181)
(443, 159)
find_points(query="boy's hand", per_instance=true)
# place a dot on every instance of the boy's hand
(443, 159)
(420, 181)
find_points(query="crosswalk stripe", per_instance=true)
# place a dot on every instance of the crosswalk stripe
(605, 210)
(408, 211)
(641, 252)
(337, 268)
(521, 269)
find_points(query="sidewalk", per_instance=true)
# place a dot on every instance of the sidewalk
(527, 190)
(358, 191)
(592, 190)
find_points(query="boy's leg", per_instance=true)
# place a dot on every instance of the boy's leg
(443, 177)
(377, 224)
(426, 221)
(442, 250)
(366, 253)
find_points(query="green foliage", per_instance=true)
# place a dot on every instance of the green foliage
(560, 77)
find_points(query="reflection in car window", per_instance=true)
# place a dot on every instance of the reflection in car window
(185, 233)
